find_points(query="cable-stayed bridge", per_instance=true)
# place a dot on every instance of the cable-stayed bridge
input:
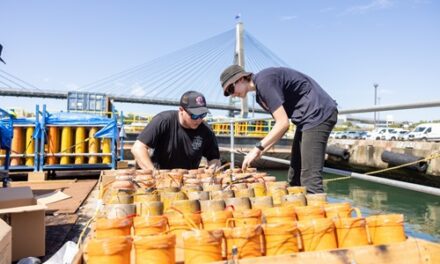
(197, 67)
(164, 79)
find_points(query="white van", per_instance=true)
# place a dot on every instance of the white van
(378, 133)
(426, 132)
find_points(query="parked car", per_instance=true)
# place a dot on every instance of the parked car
(378, 133)
(343, 135)
(350, 134)
(339, 134)
(425, 132)
(353, 134)
(368, 135)
(364, 134)
(402, 134)
(393, 134)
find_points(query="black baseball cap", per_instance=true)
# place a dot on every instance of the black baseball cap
(194, 102)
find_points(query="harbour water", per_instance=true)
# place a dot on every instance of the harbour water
(421, 211)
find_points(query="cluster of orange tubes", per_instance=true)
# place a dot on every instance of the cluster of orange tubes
(78, 140)
(23, 145)
(64, 145)
(202, 216)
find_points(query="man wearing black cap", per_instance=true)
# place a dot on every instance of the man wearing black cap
(178, 139)
(287, 93)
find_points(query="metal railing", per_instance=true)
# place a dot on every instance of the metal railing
(259, 127)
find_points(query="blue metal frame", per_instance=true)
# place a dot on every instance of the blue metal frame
(115, 135)
(42, 138)
(39, 143)
(5, 167)
(36, 153)
(8, 152)
(43, 167)
(37, 126)
(5, 172)
(122, 138)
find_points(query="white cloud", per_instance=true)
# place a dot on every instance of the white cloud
(287, 18)
(373, 5)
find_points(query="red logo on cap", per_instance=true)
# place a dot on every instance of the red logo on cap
(200, 100)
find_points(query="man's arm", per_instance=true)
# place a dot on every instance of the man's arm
(277, 132)
(141, 155)
(279, 129)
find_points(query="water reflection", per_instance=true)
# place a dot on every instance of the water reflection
(421, 211)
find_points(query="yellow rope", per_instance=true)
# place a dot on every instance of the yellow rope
(85, 228)
(71, 147)
(337, 179)
(95, 214)
(74, 145)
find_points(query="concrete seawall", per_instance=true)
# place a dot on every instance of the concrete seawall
(365, 156)
(368, 152)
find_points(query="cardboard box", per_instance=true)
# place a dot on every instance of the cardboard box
(122, 164)
(37, 176)
(5, 243)
(16, 196)
(26, 221)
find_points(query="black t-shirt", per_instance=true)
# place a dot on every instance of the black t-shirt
(304, 101)
(175, 146)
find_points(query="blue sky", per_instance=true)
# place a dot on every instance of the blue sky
(345, 45)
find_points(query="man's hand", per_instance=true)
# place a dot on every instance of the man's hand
(254, 154)
(213, 168)
(214, 164)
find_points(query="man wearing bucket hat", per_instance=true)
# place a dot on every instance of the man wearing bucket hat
(287, 93)
(178, 139)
